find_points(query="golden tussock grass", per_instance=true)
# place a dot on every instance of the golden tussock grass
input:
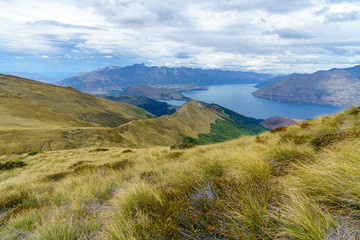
(277, 185)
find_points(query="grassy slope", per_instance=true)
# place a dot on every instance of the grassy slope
(191, 119)
(232, 126)
(155, 107)
(70, 102)
(39, 116)
(298, 182)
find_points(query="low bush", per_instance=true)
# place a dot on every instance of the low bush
(99, 150)
(127, 151)
(34, 153)
(12, 164)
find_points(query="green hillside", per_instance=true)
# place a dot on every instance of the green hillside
(19, 95)
(295, 182)
(38, 116)
(41, 117)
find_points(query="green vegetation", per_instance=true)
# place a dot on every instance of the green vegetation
(11, 164)
(155, 107)
(34, 153)
(99, 150)
(37, 117)
(234, 126)
(221, 130)
(284, 184)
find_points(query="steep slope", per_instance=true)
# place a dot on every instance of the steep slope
(142, 90)
(193, 120)
(278, 121)
(115, 79)
(274, 80)
(31, 99)
(37, 116)
(152, 106)
(299, 182)
(336, 87)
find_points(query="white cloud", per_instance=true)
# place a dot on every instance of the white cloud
(262, 35)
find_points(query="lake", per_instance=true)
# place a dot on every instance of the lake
(238, 98)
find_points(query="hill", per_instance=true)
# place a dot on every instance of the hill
(112, 80)
(152, 106)
(335, 87)
(278, 121)
(142, 90)
(37, 116)
(274, 80)
(297, 182)
(23, 97)
(191, 123)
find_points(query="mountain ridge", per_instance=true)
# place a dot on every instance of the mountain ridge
(112, 78)
(334, 87)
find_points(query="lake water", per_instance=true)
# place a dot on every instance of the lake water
(238, 98)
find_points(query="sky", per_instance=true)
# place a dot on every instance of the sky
(267, 36)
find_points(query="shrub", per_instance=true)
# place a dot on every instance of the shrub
(127, 151)
(12, 164)
(99, 150)
(34, 153)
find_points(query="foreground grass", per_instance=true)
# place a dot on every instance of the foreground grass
(299, 182)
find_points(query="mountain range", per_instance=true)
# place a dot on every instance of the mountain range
(115, 79)
(335, 87)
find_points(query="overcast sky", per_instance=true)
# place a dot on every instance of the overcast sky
(272, 36)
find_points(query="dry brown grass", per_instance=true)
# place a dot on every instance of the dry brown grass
(276, 188)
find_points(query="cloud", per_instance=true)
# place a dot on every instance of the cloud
(263, 35)
(63, 25)
(290, 33)
(343, 17)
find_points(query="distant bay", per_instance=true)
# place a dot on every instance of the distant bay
(238, 98)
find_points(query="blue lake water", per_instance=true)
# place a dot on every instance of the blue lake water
(238, 98)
